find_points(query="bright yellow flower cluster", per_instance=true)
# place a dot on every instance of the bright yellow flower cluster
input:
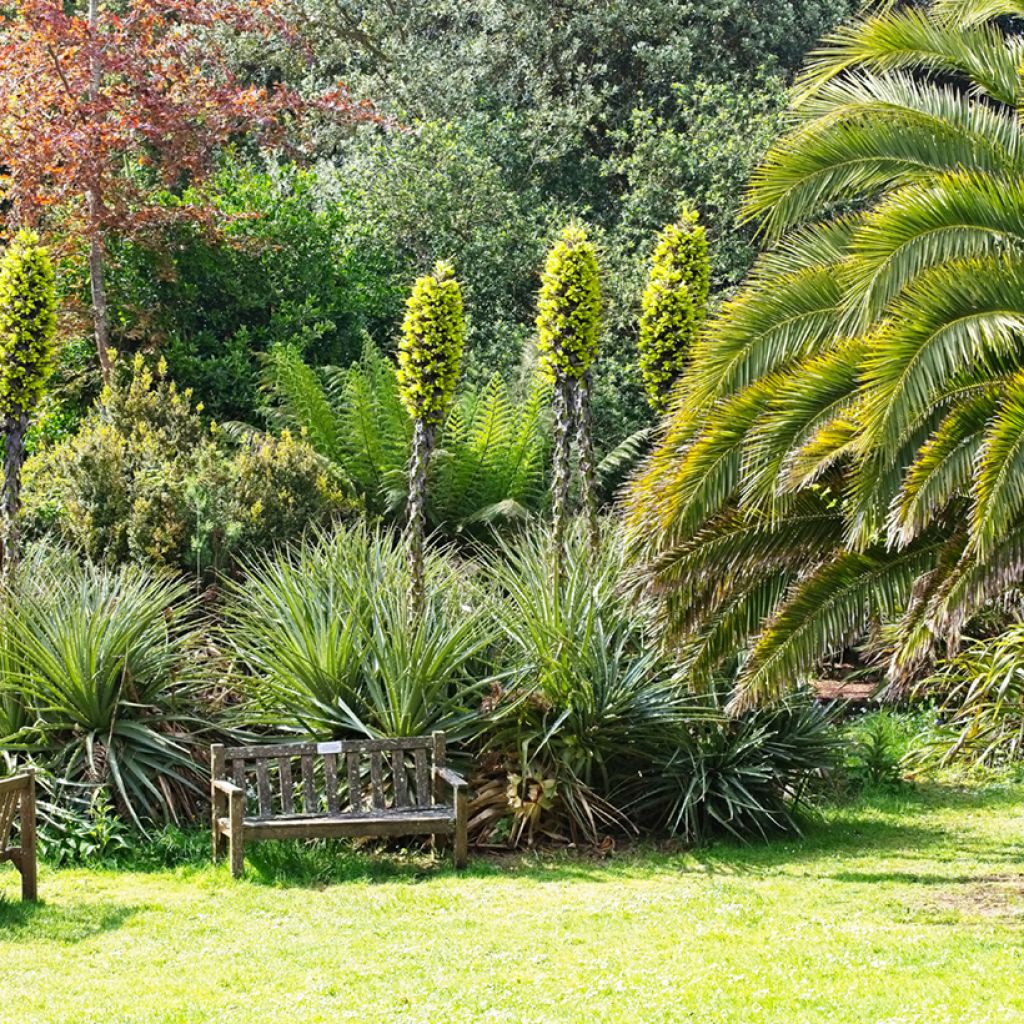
(430, 352)
(674, 305)
(569, 308)
(28, 323)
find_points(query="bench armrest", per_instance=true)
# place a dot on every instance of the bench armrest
(16, 782)
(453, 779)
(229, 789)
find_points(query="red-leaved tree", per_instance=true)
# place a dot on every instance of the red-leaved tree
(105, 105)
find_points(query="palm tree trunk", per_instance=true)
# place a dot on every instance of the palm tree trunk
(588, 469)
(422, 446)
(15, 428)
(562, 470)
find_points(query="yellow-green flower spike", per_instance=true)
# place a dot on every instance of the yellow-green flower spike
(430, 352)
(28, 323)
(673, 306)
(569, 308)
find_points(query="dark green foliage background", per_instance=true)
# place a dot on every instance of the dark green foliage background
(515, 115)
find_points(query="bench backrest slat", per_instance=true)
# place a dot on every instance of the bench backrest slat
(377, 779)
(423, 796)
(355, 782)
(309, 784)
(331, 782)
(9, 803)
(263, 788)
(284, 771)
(338, 777)
(401, 780)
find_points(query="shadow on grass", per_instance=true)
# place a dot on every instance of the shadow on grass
(66, 925)
(900, 824)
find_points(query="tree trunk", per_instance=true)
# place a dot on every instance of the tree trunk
(422, 446)
(588, 470)
(15, 428)
(97, 283)
(97, 280)
(561, 472)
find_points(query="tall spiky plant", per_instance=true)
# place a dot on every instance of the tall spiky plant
(429, 357)
(674, 305)
(568, 327)
(28, 322)
(848, 448)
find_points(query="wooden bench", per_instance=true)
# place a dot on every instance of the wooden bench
(18, 800)
(390, 787)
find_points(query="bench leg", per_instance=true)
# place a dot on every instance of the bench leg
(28, 865)
(218, 837)
(236, 839)
(461, 837)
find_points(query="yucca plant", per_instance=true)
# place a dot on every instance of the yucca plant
(108, 684)
(585, 699)
(845, 456)
(28, 322)
(328, 646)
(744, 776)
(490, 462)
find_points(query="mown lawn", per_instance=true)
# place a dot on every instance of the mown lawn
(904, 908)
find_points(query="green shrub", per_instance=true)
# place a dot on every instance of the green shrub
(104, 663)
(146, 480)
(324, 636)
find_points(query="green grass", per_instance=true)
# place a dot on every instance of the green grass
(906, 907)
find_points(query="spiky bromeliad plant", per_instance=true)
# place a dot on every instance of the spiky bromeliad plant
(429, 357)
(674, 305)
(847, 454)
(103, 665)
(568, 328)
(28, 322)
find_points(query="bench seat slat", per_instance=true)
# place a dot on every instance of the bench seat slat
(434, 821)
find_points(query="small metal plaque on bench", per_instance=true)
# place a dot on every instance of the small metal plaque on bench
(329, 748)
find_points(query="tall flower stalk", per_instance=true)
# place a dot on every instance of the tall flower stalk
(429, 357)
(568, 328)
(28, 322)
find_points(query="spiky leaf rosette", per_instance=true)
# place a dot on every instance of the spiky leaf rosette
(28, 322)
(430, 351)
(673, 306)
(569, 309)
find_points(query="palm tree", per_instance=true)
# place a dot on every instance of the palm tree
(846, 452)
